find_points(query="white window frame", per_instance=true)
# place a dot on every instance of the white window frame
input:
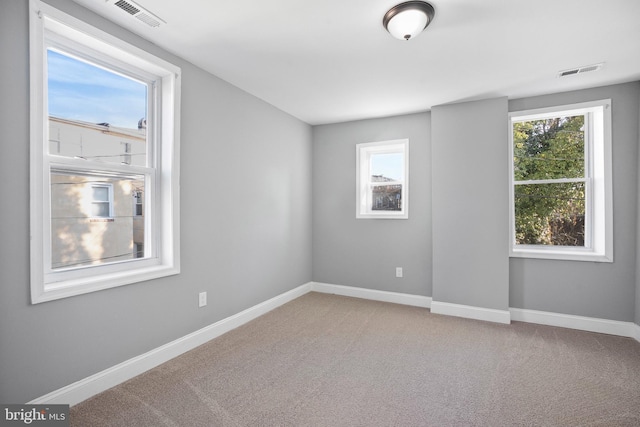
(50, 26)
(598, 184)
(364, 185)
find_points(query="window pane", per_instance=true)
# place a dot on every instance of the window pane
(549, 149)
(101, 194)
(100, 209)
(550, 214)
(94, 113)
(386, 198)
(387, 167)
(83, 230)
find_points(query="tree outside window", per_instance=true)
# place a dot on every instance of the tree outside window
(549, 173)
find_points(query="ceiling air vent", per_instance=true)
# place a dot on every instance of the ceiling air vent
(139, 12)
(580, 70)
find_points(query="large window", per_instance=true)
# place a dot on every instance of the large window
(104, 143)
(382, 179)
(561, 182)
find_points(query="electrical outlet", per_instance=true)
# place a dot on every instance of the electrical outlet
(398, 271)
(202, 299)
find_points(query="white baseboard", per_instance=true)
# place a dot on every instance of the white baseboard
(591, 324)
(636, 332)
(371, 294)
(97, 383)
(470, 312)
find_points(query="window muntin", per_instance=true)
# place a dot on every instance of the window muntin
(560, 176)
(95, 250)
(382, 179)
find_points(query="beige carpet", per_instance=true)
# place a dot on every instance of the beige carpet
(326, 360)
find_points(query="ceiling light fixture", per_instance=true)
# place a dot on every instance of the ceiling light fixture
(407, 20)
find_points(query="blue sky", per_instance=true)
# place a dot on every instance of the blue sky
(388, 165)
(81, 91)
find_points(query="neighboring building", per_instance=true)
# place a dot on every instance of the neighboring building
(386, 197)
(96, 218)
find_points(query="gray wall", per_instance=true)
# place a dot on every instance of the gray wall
(470, 204)
(601, 290)
(345, 251)
(364, 252)
(247, 210)
(246, 226)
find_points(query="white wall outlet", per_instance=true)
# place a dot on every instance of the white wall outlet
(398, 271)
(202, 299)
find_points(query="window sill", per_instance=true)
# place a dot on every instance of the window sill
(563, 254)
(84, 285)
(382, 216)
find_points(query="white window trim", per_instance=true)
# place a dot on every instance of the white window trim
(599, 192)
(363, 183)
(165, 198)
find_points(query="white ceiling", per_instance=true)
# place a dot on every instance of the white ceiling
(332, 61)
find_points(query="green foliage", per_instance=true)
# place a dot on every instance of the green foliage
(549, 149)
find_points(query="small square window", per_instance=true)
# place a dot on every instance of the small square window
(382, 179)
(102, 195)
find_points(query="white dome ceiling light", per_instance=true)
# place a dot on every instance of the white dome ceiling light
(407, 20)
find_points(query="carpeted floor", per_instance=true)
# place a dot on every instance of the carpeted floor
(326, 360)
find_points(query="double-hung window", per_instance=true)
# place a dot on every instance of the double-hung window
(102, 203)
(104, 137)
(382, 179)
(561, 205)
